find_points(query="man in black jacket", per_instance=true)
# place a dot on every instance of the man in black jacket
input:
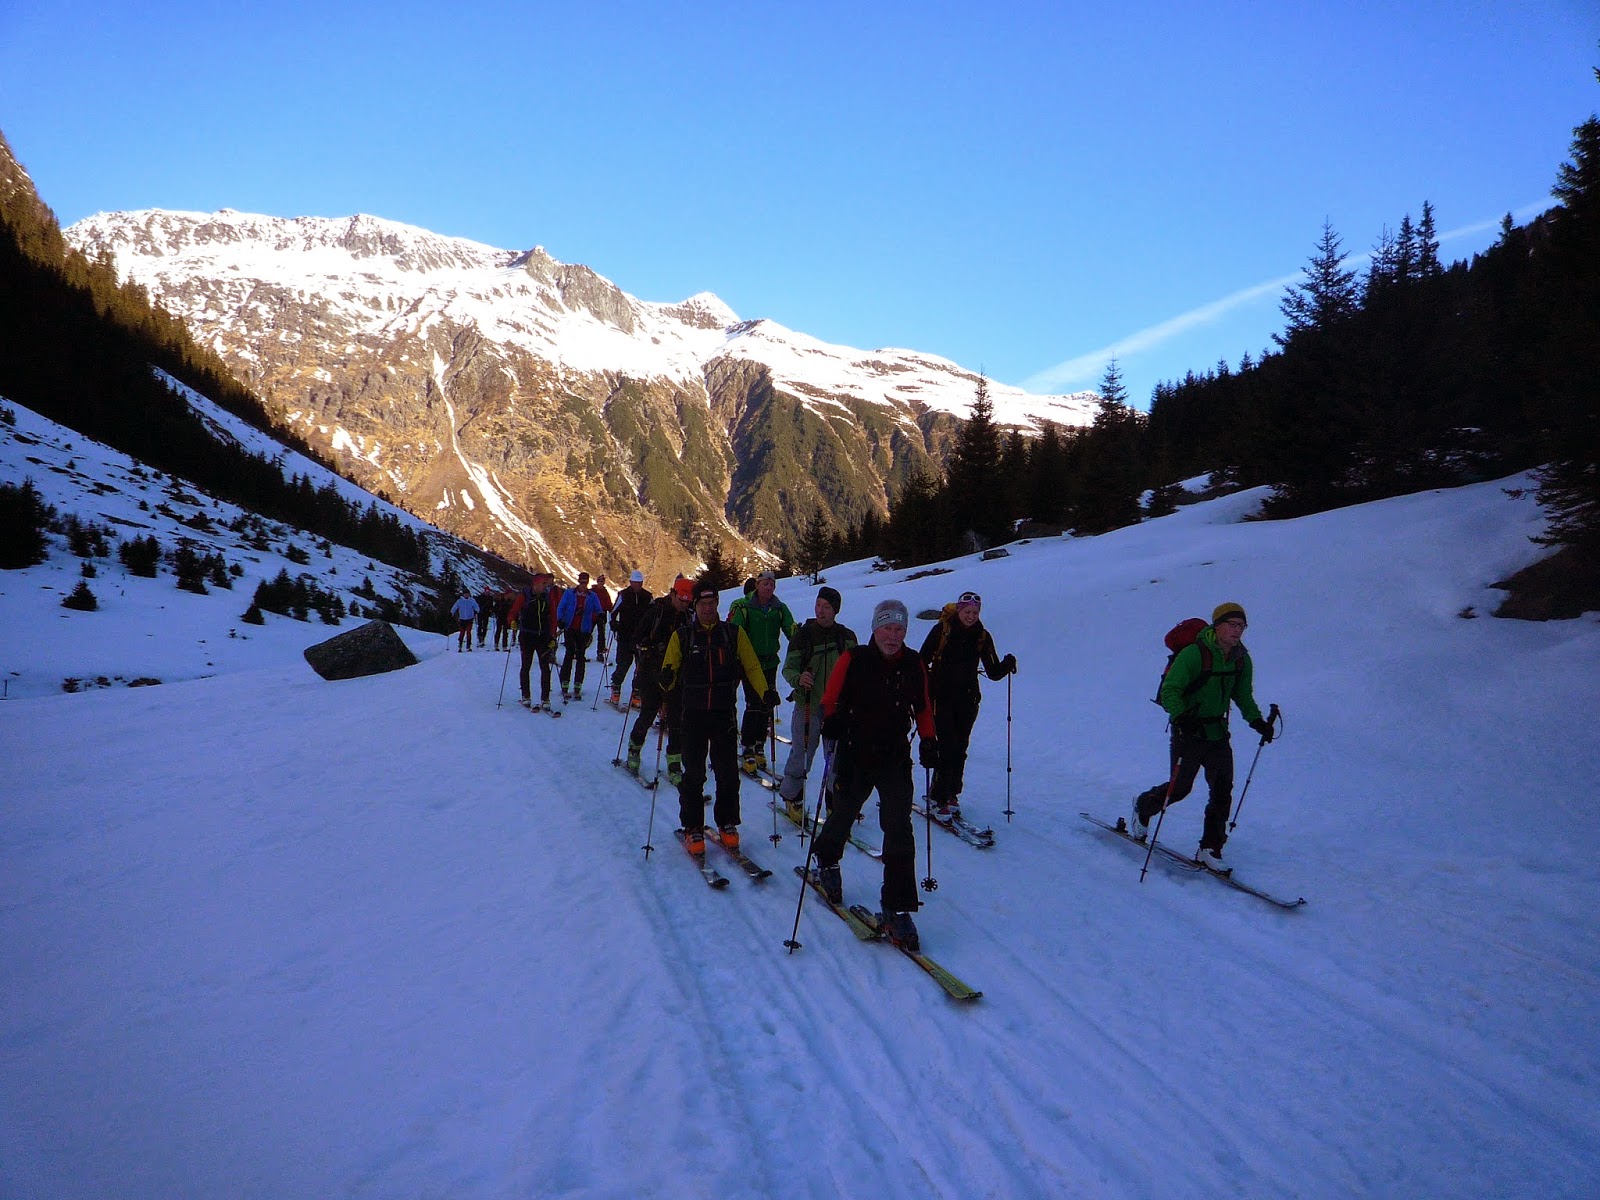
(626, 614)
(874, 695)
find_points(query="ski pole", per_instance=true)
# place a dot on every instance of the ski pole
(661, 736)
(1165, 800)
(1273, 715)
(503, 675)
(929, 884)
(803, 732)
(793, 943)
(605, 662)
(1008, 749)
(617, 761)
(651, 828)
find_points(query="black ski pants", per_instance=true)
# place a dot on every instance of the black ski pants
(714, 731)
(1190, 756)
(577, 644)
(757, 716)
(651, 701)
(545, 651)
(626, 651)
(856, 774)
(952, 721)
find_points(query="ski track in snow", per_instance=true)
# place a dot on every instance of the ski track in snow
(267, 936)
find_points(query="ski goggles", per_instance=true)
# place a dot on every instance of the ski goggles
(972, 598)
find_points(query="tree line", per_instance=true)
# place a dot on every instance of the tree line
(1409, 375)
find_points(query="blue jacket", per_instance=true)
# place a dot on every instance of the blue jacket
(464, 609)
(568, 608)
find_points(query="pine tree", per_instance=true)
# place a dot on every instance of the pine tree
(1569, 484)
(23, 517)
(816, 541)
(975, 489)
(720, 571)
(1111, 477)
(81, 598)
(1427, 245)
(1327, 296)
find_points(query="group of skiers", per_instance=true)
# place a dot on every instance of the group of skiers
(856, 701)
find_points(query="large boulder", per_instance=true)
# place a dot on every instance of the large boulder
(370, 650)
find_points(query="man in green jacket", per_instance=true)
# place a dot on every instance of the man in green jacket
(814, 650)
(1203, 681)
(763, 617)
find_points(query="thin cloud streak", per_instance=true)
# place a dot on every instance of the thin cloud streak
(1086, 367)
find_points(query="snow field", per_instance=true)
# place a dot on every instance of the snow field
(270, 936)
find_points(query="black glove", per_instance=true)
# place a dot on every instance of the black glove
(833, 727)
(1008, 665)
(667, 678)
(1264, 728)
(769, 698)
(928, 753)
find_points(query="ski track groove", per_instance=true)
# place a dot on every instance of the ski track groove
(673, 911)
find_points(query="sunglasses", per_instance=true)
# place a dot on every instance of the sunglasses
(971, 598)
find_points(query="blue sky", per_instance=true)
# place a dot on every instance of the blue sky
(1021, 187)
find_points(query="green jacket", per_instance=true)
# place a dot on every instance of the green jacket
(817, 650)
(762, 626)
(1191, 693)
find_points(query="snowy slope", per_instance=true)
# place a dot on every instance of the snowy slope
(147, 628)
(267, 936)
(386, 279)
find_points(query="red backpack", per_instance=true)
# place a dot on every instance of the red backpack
(1185, 633)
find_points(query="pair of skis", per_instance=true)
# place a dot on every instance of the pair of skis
(868, 927)
(648, 785)
(964, 829)
(1177, 859)
(713, 877)
(807, 825)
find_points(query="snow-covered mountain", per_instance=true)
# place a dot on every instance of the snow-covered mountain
(531, 404)
(268, 936)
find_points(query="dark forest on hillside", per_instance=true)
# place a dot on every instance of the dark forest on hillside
(78, 346)
(1409, 376)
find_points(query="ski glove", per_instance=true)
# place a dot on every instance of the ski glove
(1264, 728)
(667, 679)
(833, 728)
(1008, 665)
(928, 753)
(770, 699)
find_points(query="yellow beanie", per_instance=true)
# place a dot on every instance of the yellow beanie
(1223, 611)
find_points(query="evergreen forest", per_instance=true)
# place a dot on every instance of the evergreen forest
(1408, 375)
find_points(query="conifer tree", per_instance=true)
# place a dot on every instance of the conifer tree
(720, 571)
(1111, 477)
(1569, 484)
(1427, 245)
(1326, 297)
(816, 542)
(977, 496)
(23, 517)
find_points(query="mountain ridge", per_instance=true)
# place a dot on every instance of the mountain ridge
(354, 330)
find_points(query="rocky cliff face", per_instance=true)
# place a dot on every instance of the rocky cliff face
(535, 408)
